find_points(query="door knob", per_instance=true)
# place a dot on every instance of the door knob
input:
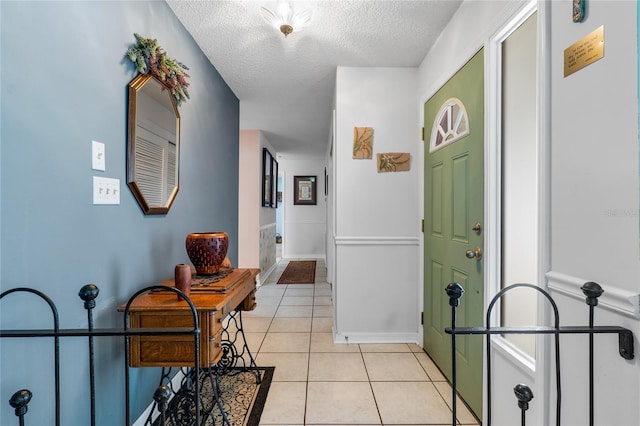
(477, 253)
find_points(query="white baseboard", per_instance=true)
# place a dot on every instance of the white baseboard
(377, 338)
(304, 256)
(263, 276)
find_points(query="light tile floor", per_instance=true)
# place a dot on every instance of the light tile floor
(318, 382)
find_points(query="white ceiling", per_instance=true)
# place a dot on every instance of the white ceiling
(286, 85)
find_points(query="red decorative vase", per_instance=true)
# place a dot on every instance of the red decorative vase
(182, 278)
(207, 251)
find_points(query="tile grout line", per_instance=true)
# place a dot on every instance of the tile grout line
(361, 350)
(375, 400)
(306, 394)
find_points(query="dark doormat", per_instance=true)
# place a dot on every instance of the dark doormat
(241, 398)
(299, 272)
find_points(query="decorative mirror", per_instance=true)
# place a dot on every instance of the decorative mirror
(153, 152)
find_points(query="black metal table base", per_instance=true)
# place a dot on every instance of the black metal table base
(236, 355)
(178, 406)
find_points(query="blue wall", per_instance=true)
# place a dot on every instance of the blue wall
(64, 83)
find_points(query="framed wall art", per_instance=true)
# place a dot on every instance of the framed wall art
(362, 142)
(274, 183)
(267, 178)
(326, 182)
(304, 190)
(393, 162)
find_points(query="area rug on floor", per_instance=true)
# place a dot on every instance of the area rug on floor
(299, 272)
(242, 400)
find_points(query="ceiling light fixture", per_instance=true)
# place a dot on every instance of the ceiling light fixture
(284, 18)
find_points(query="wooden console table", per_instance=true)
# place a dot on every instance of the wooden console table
(163, 309)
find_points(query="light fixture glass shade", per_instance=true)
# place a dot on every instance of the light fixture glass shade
(284, 18)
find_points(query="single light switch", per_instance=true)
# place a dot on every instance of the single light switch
(106, 190)
(98, 161)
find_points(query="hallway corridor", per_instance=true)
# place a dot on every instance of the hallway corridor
(317, 382)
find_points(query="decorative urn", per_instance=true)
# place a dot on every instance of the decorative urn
(207, 251)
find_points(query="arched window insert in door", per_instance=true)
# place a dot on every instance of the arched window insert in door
(450, 125)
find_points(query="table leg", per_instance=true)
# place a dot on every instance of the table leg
(236, 357)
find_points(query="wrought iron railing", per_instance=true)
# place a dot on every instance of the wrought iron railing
(523, 393)
(20, 399)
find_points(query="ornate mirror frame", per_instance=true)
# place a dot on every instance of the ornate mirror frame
(153, 145)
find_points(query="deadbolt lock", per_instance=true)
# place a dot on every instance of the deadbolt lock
(477, 228)
(476, 253)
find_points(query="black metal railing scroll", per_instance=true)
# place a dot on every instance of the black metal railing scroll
(523, 393)
(236, 360)
(20, 399)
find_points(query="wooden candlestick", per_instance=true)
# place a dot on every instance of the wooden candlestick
(183, 278)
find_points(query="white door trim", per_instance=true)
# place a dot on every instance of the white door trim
(536, 369)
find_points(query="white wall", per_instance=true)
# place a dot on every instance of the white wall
(256, 224)
(377, 221)
(330, 200)
(594, 204)
(474, 22)
(595, 150)
(304, 226)
(594, 231)
(249, 199)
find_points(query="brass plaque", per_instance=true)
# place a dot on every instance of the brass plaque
(584, 52)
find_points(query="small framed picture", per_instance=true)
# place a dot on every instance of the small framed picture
(274, 183)
(304, 190)
(326, 182)
(267, 178)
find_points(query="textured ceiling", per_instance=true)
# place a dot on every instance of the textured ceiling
(286, 85)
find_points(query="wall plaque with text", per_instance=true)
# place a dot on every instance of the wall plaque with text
(584, 52)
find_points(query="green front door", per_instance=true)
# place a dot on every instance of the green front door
(454, 228)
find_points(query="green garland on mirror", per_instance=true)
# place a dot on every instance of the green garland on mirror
(148, 57)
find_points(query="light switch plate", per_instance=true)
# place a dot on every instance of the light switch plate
(106, 190)
(98, 161)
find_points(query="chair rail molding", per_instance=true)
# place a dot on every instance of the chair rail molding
(377, 241)
(613, 299)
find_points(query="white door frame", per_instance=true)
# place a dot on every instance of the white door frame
(535, 370)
